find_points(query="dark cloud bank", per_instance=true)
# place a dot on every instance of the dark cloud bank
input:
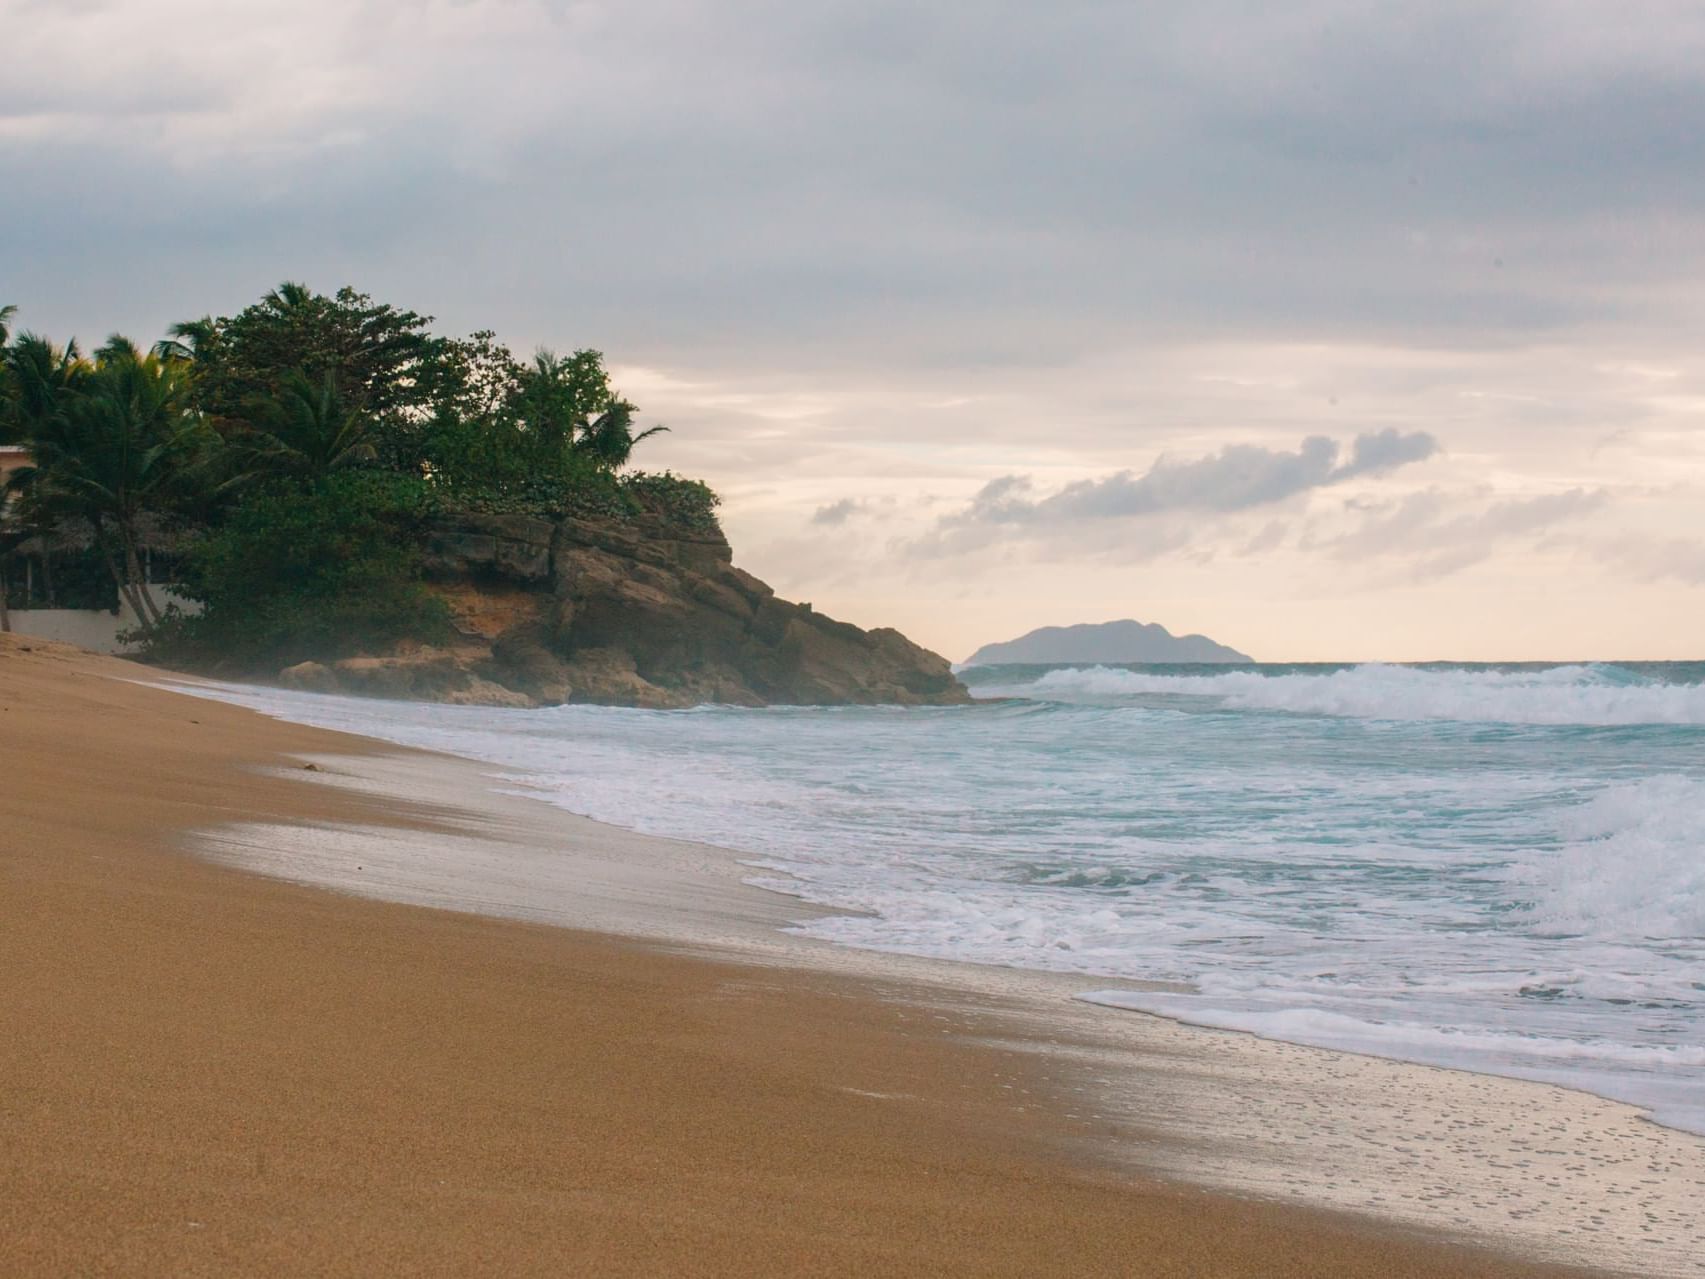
(951, 185)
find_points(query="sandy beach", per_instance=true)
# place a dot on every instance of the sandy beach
(209, 1071)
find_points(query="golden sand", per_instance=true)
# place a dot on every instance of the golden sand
(205, 1072)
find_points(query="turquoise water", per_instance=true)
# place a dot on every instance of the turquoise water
(1495, 867)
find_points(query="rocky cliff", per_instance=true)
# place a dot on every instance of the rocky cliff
(627, 613)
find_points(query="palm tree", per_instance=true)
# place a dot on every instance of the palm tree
(188, 340)
(7, 427)
(289, 296)
(39, 374)
(307, 430)
(119, 349)
(566, 405)
(109, 447)
(34, 376)
(549, 401)
(608, 439)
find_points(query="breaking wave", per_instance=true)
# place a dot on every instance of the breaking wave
(1586, 695)
(1498, 868)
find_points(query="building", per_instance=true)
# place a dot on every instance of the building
(12, 456)
(27, 567)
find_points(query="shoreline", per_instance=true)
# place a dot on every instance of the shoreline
(214, 1070)
(1482, 1160)
(1620, 1056)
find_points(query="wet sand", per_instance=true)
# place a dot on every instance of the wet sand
(211, 1072)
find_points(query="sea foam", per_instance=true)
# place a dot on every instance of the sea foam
(1496, 868)
(1630, 865)
(1587, 695)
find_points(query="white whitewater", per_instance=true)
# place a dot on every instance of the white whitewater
(1498, 870)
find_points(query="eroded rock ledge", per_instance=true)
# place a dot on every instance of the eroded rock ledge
(627, 614)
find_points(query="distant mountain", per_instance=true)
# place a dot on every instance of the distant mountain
(1125, 641)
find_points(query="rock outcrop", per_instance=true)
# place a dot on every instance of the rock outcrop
(628, 614)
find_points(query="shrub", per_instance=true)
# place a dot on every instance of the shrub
(318, 570)
(683, 503)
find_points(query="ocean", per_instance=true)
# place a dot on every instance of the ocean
(1494, 867)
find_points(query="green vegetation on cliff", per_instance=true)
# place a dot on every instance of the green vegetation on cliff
(282, 465)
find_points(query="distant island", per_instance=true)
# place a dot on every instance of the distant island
(1123, 641)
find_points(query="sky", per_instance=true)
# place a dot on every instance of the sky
(1336, 331)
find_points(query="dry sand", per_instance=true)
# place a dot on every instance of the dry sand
(207, 1072)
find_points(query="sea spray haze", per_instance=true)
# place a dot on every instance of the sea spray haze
(1494, 867)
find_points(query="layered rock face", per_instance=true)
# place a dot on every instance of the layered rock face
(628, 614)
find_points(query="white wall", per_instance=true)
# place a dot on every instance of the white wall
(91, 628)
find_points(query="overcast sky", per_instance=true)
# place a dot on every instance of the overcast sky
(1334, 330)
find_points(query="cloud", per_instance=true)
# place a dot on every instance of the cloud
(1385, 450)
(1237, 478)
(873, 249)
(1650, 559)
(1441, 533)
(836, 513)
(1042, 186)
(1269, 537)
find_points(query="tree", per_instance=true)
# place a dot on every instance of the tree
(109, 444)
(38, 375)
(34, 376)
(306, 430)
(189, 340)
(8, 420)
(381, 358)
(567, 404)
(609, 440)
(303, 440)
(6, 314)
(475, 379)
(7, 428)
(558, 394)
(317, 568)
